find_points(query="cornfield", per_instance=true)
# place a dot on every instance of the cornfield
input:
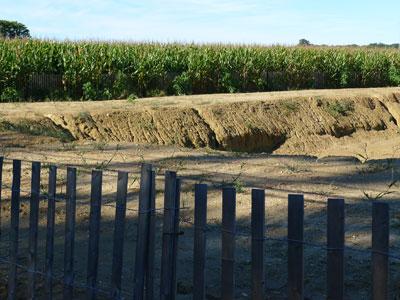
(111, 70)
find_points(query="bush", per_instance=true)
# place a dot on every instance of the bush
(89, 92)
(182, 84)
(9, 94)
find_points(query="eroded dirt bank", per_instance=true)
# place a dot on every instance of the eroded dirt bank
(282, 122)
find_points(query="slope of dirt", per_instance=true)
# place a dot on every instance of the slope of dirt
(281, 122)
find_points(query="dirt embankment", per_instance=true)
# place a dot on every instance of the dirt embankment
(265, 122)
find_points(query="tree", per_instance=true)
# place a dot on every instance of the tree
(304, 42)
(13, 29)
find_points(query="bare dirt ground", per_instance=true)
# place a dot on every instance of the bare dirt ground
(360, 166)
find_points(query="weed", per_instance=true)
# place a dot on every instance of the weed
(289, 106)
(238, 185)
(294, 169)
(132, 98)
(169, 163)
(156, 93)
(100, 146)
(4, 151)
(148, 125)
(89, 91)
(388, 165)
(37, 129)
(379, 195)
(249, 125)
(236, 182)
(9, 94)
(364, 155)
(102, 165)
(339, 108)
(69, 146)
(84, 115)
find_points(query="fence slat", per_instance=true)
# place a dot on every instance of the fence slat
(143, 230)
(257, 243)
(94, 231)
(175, 235)
(167, 290)
(1, 188)
(69, 243)
(119, 233)
(335, 245)
(295, 247)
(33, 228)
(228, 243)
(199, 247)
(14, 229)
(51, 208)
(151, 240)
(380, 246)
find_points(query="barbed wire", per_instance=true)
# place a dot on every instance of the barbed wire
(88, 169)
(287, 241)
(108, 203)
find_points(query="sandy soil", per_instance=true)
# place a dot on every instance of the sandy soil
(74, 107)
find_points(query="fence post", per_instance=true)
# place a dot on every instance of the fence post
(151, 240)
(257, 243)
(335, 243)
(143, 230)
(295, 247)
(119, 232)
(1, 188)
(94, 230)
(380, 248)
(33, 228)
(14, 229)
(176, 234)
(199, 247)
(69, 243)
(51, 208)
(171, 214)
(228, 243)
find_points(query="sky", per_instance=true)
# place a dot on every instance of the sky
(267, 22)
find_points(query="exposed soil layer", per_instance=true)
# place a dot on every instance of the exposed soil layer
(283, 122)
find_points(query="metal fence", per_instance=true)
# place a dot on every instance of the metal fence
(38, 86)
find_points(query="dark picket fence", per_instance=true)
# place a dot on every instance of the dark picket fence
(143, 285)
(40, 86)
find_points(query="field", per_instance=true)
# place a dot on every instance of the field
(39, 70)
(325, 143)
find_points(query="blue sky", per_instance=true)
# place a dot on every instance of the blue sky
(234, 21)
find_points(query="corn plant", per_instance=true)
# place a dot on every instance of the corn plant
(93, 70)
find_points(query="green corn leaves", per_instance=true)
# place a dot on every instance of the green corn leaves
(102, 70)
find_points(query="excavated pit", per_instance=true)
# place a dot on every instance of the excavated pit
(263, 123)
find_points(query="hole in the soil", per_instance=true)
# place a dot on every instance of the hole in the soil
(256, 141)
